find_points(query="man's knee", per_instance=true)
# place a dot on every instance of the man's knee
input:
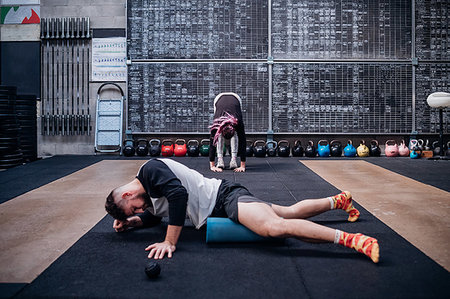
(275, 228)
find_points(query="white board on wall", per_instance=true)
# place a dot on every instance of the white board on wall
(109, 61)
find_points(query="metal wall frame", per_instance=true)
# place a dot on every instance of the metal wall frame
(270, 61)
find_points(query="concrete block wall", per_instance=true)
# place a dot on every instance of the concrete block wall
(103, 14)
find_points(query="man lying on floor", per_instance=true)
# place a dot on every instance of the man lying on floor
(164, 187)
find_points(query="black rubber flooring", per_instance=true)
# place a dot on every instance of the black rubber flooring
(105, 264)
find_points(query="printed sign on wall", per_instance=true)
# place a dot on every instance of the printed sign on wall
(109, 61)
(27, 14)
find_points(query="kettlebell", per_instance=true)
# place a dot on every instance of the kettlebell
(447, 153)
(284, 149)
(362, 150)
(403, 150)
(416, 151)
(335, 148)
(128, 148)
(167, 148)
(155, 147)
(204, 147)
(271, 148)
(349, 149)
(259, 148)
(192, 148)
(310, 150)
(142, 147)
(415, 144)
(427, 146)
(180, 148)
(249, 149)
(391, 148)
(436, 148)
(420, 144)
(297, 149)
(374, 149)
(323, 148)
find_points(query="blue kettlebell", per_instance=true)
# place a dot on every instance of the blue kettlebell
(415, 154)
(323, 148)
(349, 150)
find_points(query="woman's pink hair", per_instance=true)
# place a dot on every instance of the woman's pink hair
(225, 125)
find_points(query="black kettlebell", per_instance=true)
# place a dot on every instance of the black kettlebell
(128, 148)
(447, 153)
(193, 149)
(155, 147)
(259, 148)
(427, 146)
(436, 148)
(336, 148)
(420, 145)
(310, 150)
(297, 149)
(249, 148)
(271, 148)
(374, 149)
(284, 148)
(142, 147)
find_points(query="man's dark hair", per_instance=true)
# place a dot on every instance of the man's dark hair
(113, 209)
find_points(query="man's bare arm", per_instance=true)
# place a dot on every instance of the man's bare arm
(159, 250)
(133, 221)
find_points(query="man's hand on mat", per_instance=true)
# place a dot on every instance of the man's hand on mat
(121, 226)
(216, 169)
(239, 169)
(159, 250)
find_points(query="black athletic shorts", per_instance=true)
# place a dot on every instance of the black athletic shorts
(229, 195)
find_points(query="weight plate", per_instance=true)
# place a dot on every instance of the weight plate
(12, 156)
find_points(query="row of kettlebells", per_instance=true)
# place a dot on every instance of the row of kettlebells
(165, 148)
(282, 148)
(260, 148)
(414, 149)
(323, 149)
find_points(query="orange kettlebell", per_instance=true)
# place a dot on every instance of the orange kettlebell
(167, 148)
(180, 149)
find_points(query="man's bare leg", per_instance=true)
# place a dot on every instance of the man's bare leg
(311, 207)
(302, 209)
(262, 219)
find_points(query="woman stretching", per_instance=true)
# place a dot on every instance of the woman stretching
(227, 125)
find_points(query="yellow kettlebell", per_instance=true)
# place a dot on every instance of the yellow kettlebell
(362, 150)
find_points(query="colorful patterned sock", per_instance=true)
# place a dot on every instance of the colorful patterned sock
(344, 201)
(361, 243)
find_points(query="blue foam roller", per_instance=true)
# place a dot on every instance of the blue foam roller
(225, 230)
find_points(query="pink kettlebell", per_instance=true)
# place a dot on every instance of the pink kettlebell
(391, 149)
(403, 150)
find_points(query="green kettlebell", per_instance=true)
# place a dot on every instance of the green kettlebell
(204, 147)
